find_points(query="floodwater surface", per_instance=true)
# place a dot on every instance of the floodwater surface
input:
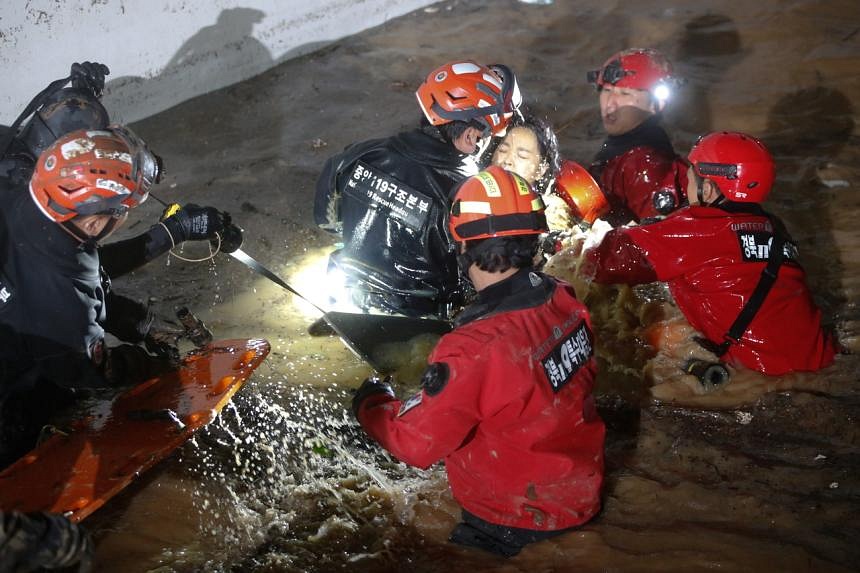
(762, 474)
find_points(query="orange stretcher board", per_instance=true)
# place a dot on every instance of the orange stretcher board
(75, 474)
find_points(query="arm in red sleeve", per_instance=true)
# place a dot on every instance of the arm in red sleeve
(425, 429)
(651, 179)
(617, 259)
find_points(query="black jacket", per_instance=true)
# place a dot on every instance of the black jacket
(390, 199)
(52, 299)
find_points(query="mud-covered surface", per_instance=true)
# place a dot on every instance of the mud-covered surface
(761, 475)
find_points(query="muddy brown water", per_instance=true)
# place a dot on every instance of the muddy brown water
(759, 476)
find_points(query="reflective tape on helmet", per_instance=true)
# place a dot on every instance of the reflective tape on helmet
(490, 184)
(76, 147)
(480, 207)
(727, 170)
(523, 187)
(465, 68)
(116, 155)
(112, 186)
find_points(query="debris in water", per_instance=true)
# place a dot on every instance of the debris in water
(832, 183)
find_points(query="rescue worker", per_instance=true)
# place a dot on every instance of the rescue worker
(506, 400)
(388, 197)
(730, 266)
(637, 167)
(58, 110)
(39, 541)
(52, 293)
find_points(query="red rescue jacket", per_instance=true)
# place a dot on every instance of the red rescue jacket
(712, 259)
(507, 403)
(640, 174)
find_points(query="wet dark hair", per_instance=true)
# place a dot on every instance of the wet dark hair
(498, 254)
(453, 130)
(547, 147)
(450, 131)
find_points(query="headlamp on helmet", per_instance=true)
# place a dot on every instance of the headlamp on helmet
(640, 69)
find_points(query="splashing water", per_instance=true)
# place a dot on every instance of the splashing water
(290, 480)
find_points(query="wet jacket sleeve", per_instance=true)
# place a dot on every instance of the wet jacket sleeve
(429, 426)
(646, 253)
(122, 257)
(652, 183)
(617, 260)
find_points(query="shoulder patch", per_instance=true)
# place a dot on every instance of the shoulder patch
(435, 378)
(6, 292)
(568, 356)
(409, 404)
(383, 193)
(755, 246)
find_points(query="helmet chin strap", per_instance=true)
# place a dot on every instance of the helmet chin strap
(700, 194)
(83, 237)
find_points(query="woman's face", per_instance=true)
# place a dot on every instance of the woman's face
(519, 152)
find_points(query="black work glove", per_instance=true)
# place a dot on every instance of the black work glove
(162, 340)
(128, 365)
(370, 387)
(127, 319)
(89, 76)
(195, 223)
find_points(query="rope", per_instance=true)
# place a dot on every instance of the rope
(212, 252)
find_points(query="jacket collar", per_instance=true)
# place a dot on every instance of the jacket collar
(526, 288)
(649, 133)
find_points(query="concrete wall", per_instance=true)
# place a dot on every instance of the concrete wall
(162, 52)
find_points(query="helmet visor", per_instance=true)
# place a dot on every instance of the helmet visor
(146, 167)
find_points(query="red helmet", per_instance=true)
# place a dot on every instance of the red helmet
(738, 163)
(640, 69)
(581, 192)
(89, 172)
(496, 203)
(462, 91)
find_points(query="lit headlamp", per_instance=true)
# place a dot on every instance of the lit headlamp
(661, 92)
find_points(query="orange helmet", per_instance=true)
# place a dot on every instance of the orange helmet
(89, 172)
(496, 203)
(463, 91)
(581, 192)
